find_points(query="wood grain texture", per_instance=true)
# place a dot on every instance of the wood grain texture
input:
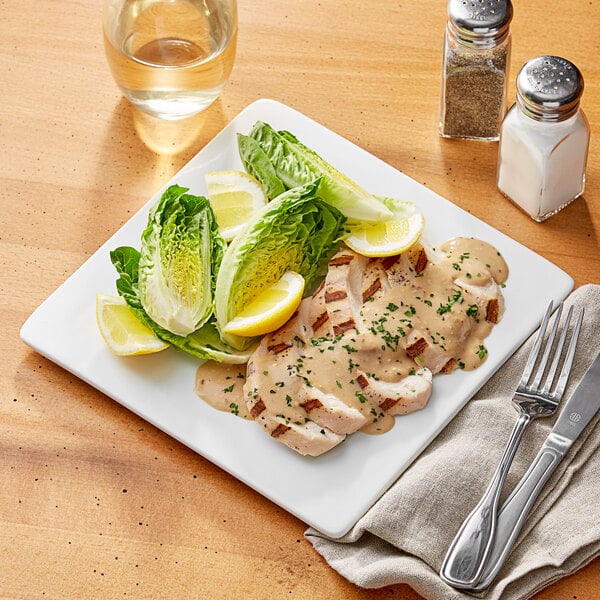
(95, 502)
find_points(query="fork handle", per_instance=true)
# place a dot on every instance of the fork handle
(466, 558)
(516, 508)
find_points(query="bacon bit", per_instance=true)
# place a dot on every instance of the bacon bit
(311, 404)
(344, 259)
(389, 261)
(280, 430)
(449, 367)
(278, 348)
(321, 320)
(418, 258)
(343, 327)
(257, 408)
(492, 311)
(362, 381)
(417, 348)
(374, 287)
(389, 403)
(335, 296)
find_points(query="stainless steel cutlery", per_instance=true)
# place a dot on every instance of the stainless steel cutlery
(485, 538)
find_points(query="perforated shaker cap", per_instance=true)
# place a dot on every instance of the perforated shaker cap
(480, 21)
(549, 88)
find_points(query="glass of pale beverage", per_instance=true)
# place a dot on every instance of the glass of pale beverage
(171, 58)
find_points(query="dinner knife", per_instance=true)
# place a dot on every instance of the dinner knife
(577, 412)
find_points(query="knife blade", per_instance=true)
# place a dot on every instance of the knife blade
(577, 412)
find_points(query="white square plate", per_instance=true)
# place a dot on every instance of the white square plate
(333, 491)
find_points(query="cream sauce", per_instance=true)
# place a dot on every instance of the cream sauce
(221, 386)
(469, 253)
(430, 305)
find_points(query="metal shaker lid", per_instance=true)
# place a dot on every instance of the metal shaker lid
(479, 21)
(549, 88)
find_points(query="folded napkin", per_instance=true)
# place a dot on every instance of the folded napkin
(404, 537)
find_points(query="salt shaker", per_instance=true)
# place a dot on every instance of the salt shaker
(544, 138)
(475, 66)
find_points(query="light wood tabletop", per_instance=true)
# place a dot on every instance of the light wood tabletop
(94, 501)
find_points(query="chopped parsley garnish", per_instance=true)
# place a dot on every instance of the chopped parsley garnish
(473, 311)
(455, 298)
(361, 397)
(351, 365)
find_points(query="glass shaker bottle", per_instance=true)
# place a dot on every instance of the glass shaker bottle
(545, 137)
(475, 63)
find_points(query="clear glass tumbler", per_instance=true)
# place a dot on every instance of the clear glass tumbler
(171, 58)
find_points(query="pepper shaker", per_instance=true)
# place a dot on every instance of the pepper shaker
(544, 139)
(475, 63)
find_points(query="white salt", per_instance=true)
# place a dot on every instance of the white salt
(541, 164)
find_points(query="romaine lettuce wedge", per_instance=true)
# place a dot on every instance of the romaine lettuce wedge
(298, 231)
(258, 164)
(180, 255)
(294, 164)
(205, 343)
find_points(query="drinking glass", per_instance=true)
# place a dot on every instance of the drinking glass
(171, 58)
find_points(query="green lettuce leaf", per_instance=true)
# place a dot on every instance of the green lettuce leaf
(294, 165)
(180, 256)
(258, 165)
(126, 260)
(298, 231)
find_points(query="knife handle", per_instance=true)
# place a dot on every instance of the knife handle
(516, 508)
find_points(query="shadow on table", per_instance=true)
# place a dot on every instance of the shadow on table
(149, 151)
(136, 157)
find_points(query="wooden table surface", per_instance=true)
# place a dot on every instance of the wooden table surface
(97, 503)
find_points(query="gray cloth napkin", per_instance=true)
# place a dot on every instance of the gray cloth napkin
(404, 537)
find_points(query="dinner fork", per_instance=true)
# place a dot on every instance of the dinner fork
(534, 397)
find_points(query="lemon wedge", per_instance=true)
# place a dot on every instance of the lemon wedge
(390, 237)
(122, 331)
(270, 309)
(234, 197)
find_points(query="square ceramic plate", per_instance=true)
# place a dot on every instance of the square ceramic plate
(333, 491)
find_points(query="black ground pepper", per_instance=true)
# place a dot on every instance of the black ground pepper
(476, 56)
(474, 97)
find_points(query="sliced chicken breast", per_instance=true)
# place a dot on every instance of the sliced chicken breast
(367, 344)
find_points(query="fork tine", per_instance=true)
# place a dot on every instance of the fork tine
(564, 374)
(547, 349)
(558, 352)
(533, 355)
